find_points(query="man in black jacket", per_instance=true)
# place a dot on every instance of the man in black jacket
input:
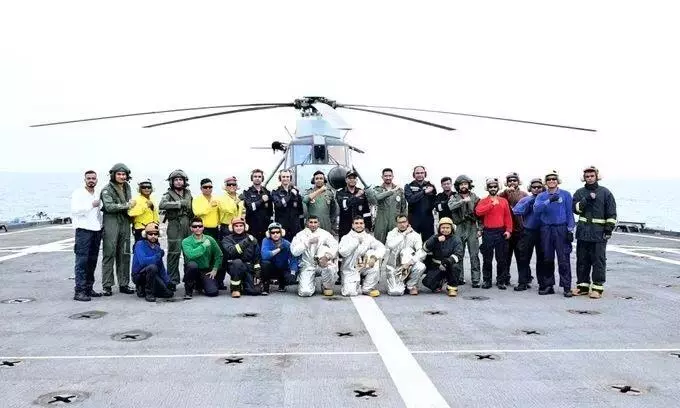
(288, 209)
(420, 195)
(352, 202)
(259, 210)
(596, 208)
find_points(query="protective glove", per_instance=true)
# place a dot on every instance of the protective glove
(447, 263)
(570, 237)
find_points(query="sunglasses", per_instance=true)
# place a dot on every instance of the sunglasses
(515, 180)
(494, 187)
(206, 187)
(231, 184)
(197, 226)
(274, 232)
(551, 179)
(536, 187)
(144, 187)
(151, 234)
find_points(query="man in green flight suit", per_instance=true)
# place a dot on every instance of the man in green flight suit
(389, 201)
(462, 204)
(176, 203)
(116, 199)
(320, 201)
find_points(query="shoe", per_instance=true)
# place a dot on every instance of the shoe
(172, 286)
(188, 294)
(140, 291)
(265, 289)
(413, 291)
(107, 292)
(581, 290)
(476, 285)
(328, 292)
(374, 293)
(528, 286)
(452, 291)
(92, 293)
(546, 291)
(521, 287)
(567, 293)
(150, 298)
(501, 286)
(281, 289)
(462, 282)
(81, 297)
(126, 290)
(486, 285)
(595, 294)
(235, 294)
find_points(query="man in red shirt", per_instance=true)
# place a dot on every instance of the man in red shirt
(497, 220)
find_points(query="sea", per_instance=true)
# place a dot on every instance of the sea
(25, 194)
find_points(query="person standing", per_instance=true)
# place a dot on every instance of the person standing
(87, 223)
(144, 211)
(531, 237)
(231, 205)
(420, 195)
(389, 201)
(259, 210)
(176, 203)
(320, 201)
(554, 206)
(206, 207)
(352, 202)
(441, 201)
(288, 205)
(513, 194)
(495, 213)
(116, 199)
(468, 226)
(596, 207)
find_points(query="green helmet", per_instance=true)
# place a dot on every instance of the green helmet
(178, 173)
(463, 178)
(119, 167)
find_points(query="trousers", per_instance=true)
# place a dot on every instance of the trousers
(86, 248)
(554, 241)
(494, 242)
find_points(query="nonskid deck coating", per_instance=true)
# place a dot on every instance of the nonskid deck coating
(293, 354)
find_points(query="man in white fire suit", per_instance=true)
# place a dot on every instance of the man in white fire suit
(401, 264)
(318, 251)
(361, 254)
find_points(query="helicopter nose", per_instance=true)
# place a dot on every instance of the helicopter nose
(336, 177)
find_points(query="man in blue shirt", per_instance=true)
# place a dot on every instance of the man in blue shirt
(530, 238)
(148, 272)
(557, 233)
(277, 260)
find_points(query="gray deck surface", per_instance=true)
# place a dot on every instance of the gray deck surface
(477, 353)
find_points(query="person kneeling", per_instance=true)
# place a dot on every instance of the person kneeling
(402, 268)
(317, 250)
(202, 257)
(361, 254)
(277, 260)
(148, 272)
(444, 252)
(243, 252)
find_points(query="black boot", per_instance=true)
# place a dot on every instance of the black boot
(107, 291)
(126, 290)
(265, 288)
(81, 297)
(188, 290)
(91, 293)
(520, 287)
(140, 291)
(486, 285)
(546, 291)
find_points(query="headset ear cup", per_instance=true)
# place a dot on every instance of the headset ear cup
(144, 234)
(229, 228)
(266, 234)
(247, 227)
(283, 232)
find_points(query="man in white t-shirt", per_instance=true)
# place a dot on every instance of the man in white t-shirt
(87, 222)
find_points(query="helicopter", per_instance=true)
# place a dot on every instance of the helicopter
(318, 142)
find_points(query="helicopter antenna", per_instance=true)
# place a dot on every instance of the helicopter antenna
(288, 131)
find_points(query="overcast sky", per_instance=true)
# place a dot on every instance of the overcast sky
(599, 65)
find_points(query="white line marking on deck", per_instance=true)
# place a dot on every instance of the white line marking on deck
(49, 247)
(628, 252)
(342, 353)
(414, 386)
(2, 234)
(623, 234)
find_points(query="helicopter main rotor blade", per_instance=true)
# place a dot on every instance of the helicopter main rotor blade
(155, 112)
(218, 114)
(424, 122)
(477, 116)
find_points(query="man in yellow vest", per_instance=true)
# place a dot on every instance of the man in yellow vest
(145, 211)
(205, 206)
